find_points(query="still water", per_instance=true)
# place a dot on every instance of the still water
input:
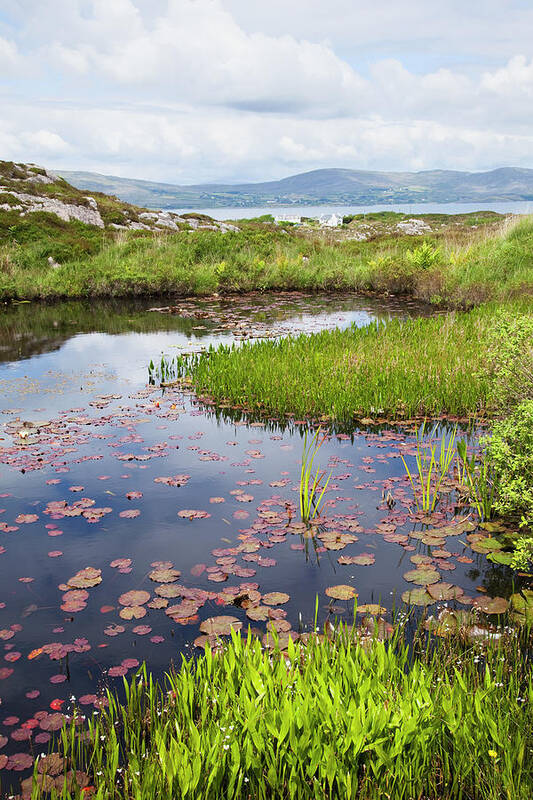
(500, 207)
(184, 507)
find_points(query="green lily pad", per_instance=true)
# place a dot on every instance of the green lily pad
(421, 559)
(522, 607)
(423, 576)
(492, 527)
(500, 558)
(486, 545)
(417, 597)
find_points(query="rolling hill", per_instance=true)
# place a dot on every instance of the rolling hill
(321, 186)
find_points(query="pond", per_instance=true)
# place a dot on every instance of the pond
(175, 507)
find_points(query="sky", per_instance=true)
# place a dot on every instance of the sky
(195, 91)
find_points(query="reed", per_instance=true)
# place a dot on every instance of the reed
(431, 471)
(477, 474)
(311, 488)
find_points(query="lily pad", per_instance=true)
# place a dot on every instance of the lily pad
(423, 576)
(86, 578)
(491, 605)
(275, 640)
(500, 558)
(362, 560)
(220, 626)
(192, 513)
(444, 591)
(275, 598)
(341, 592)
(164, 575)
(182, 611)
(486, 545)
(135, 597)
(52, 764)
(522, 607)
(132, 612)
(371, 608)
(417, 597)
(258, 613)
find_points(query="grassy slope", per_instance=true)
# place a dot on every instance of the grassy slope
(469, 267)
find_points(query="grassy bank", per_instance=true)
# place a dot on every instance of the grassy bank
(425, 366)
(327, 720)
(460, 266)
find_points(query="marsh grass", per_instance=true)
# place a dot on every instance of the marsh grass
(398, 369)
(458, 267)
(326, 719)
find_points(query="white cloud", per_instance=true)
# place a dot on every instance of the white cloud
(196, 90)
(9, 57)
(199, 147)
(515, 79)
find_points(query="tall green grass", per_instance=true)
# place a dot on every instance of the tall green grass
(323, 720)
(464, 268)
(400, 369)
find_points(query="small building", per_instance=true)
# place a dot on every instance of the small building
(296, 220)
(330, 220)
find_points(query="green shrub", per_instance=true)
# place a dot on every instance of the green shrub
(423, 257)
(510, 449)
(510, 350)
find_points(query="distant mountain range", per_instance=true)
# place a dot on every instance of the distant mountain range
(321, 186)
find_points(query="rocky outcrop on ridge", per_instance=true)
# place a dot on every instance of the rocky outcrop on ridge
(28, 188)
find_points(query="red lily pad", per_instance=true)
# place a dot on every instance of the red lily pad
(491, 605)
(114, 630)
(191, 513)
(135, 597)
(19, 762)
(275, 598)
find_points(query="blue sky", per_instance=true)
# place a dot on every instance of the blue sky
(188, 91)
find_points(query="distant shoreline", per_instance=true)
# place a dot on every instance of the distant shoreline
(249, 212)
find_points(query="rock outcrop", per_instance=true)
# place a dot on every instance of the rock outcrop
(29, 203)
(21, 192)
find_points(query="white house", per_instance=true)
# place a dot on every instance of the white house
(287, 218)
(330, 220)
